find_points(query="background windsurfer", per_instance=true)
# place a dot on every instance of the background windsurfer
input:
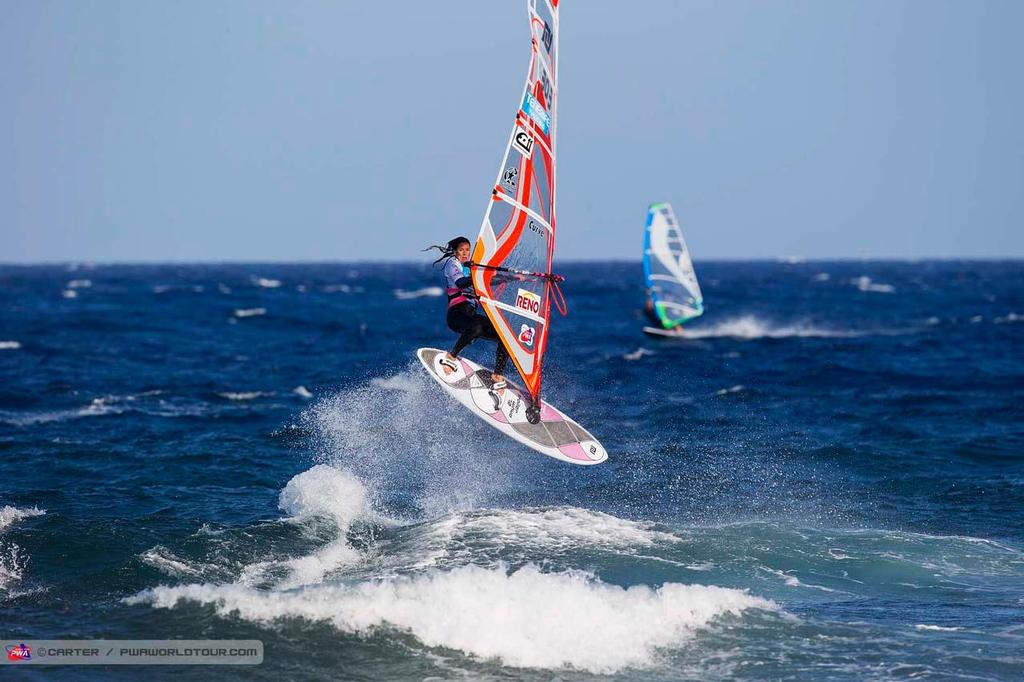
(652, 315)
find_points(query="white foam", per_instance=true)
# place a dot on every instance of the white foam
(320, 492)
(732, 389)
(302, 392)
(750, 327)
(243, 395)
(165, 561)
(526, 618)
(403, 295)
(937, 628)
(932, 321)
(976, 319)
(11, 515)
(69, 293)
(864, 283)
(1012, 317)
(12, 559)
(12, 566)
(637, 354)
(250, 312)
(266, 283)
(401, 433)
(551, 529)
(9, 345)
(79, 284)
(336, 288)
(822, 277)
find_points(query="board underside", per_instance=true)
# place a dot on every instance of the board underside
(556, 435)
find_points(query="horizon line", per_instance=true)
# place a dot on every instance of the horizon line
(788, 260)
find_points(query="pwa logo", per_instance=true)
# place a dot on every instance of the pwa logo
(18, 652)
(526, 334)
(528, 301)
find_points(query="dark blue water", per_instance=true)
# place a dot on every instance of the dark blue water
(823, 480)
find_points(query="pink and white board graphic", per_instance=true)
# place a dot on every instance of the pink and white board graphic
(556, 435)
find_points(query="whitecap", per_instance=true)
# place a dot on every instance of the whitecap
(302, 392)
(822, 277)
(266, 283)
(69, 293)
(525, 618)
(732, 389)
(79, 284)
(749, 327)
(320, 492)
(12, 559)
(243, 395)
(336, 289)
(864, 283)
(9, 345)
(637, 354)
(12, 515)
(403, 295)
(250, 312)
(166, 562)
(1012, 317)
(937, 628)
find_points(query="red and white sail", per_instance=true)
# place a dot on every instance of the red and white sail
(518, 229)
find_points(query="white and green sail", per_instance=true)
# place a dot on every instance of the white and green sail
(668, 271)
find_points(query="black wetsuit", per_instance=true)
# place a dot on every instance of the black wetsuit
(463, 317)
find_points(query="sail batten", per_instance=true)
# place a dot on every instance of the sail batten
(519, 225)
(668, 270)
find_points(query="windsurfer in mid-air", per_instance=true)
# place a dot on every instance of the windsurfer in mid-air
(463, 317)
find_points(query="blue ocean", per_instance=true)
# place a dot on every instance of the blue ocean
(823, 479)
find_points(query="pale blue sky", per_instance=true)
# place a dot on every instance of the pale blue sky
(268, 130)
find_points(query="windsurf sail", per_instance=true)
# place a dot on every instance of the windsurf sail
(668, 270)
(512, 257)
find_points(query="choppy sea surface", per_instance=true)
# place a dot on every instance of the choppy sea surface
(823, 480)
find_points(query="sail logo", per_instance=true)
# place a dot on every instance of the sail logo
(18, 652)
(509, 177)
(546, 37)
(526, 334)
(523, 142)
(535, 110)
(528, 301)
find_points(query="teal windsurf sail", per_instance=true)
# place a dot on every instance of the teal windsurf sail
(668, 270)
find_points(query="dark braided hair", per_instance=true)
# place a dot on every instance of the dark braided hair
(449, 249)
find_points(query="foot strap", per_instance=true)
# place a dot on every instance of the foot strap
(445, 362)
(498, 385)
